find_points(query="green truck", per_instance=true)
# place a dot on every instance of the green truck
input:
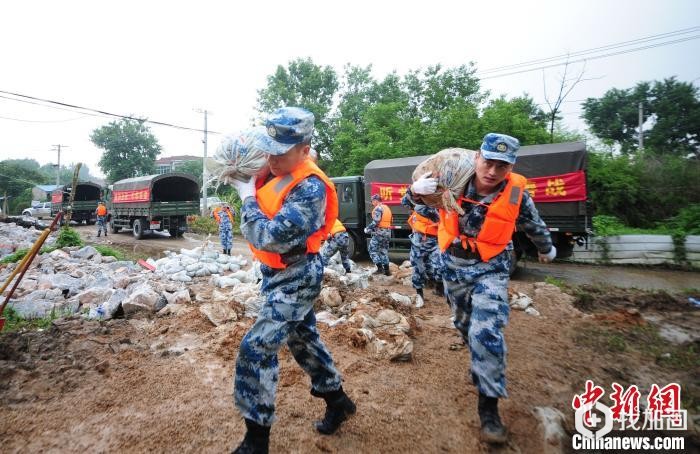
(153, 203)
(87, 194)
(556, 178)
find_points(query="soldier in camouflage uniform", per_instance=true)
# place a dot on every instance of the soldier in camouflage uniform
(287, 316)
(337, 242)
(425, 254)
(476, 267)
(224, 216)
(379, 228)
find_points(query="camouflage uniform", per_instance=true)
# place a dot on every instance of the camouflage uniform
(287, 315)
(225, 230)
(378, 246)
(101, 225)
(337, 242)
(425, 254)
(478, 291)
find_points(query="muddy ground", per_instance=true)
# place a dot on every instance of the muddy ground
(165, 384)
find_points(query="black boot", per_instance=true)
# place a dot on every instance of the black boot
(338, 408)
(98, 233)
(347, 269)
(439, 288)
(380, 269)
(420, 292)
(492, 430)
(228, 251)
(256, 440)
(386, 270)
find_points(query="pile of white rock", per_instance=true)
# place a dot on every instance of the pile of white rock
(14, 237)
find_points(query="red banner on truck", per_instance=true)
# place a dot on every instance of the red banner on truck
(567, 187)
(134, 195)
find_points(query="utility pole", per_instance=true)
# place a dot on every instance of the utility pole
(641, 123)
(58, 165)
(205, 208)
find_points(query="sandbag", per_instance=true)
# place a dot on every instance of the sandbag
(453, 167)
(237, 158)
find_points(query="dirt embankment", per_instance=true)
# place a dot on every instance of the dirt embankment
(165, 384)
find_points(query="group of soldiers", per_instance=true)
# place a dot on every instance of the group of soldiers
(289, 219)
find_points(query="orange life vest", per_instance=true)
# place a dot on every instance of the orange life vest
(337, 227)
(217, 216)
(270, 198)
(422, 224)
(101, 210)
(385, 221)
(498, 226)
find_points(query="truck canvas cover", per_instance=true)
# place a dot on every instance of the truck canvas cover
(168, 187)
(84, 191)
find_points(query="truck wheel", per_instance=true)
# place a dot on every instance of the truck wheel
(113, 228)
(138, 228)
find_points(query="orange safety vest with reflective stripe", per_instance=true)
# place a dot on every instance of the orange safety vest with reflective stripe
(217, 216)
(422, 224)
(270, 198)
(385, 221)
(337, 227)
(101, 210)
(498, 226)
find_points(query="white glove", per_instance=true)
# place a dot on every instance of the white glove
(246, 189)
(548, 257)
(425, 185)
(367, 230)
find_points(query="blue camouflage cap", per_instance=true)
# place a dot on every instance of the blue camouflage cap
(286, 127)
(500, 147)
(376, 197)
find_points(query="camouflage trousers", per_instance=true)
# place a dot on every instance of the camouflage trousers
(478, 295)
(101, 224)
(425, 259)
(337, 243)
(378, 246)
(226, 234)
(286, 317)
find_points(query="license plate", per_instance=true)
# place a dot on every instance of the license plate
(155, 225)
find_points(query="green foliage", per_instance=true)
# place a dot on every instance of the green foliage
(640, 190)
(130, 149)
(204, 225)
(109, 251)
(13, 322)
(17, 178)
(68, 237)
(687, 221)
(193, 168)
(674, 106)
(20, 253)
(417, 114)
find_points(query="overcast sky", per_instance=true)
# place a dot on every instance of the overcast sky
(165, 59)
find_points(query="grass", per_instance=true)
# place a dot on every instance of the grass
(13, 322)
(644, 339)
(20, 253)
(554, 281)
(110, 251)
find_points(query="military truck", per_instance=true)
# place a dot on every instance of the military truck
(556, 179)
(153, 203)
(87, 195)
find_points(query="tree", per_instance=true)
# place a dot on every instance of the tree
(566, 85)
(671, 113)
(519, 117)
(17, 178)
(303, 84)
(130, 149)
(193, 168)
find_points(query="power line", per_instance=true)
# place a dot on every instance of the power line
(595, 57)
(102, 112)
(43, 121)
(593, 50)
